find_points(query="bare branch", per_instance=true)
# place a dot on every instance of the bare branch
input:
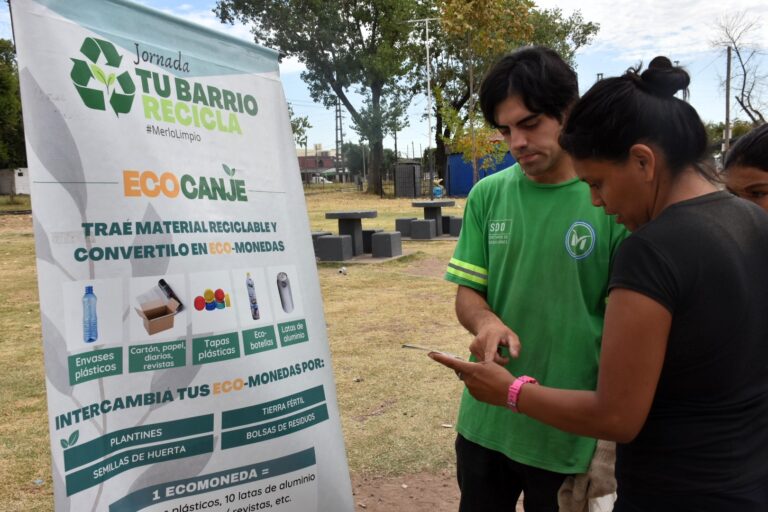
(737, 31)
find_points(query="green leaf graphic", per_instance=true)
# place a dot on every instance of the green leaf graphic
(74, 437)
(111, 80)
(98, 74)
(228, 170)
(64, 444)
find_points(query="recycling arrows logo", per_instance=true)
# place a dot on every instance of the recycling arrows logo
(119, 90)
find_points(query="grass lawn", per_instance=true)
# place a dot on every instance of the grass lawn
(395, 404)
(18, 203)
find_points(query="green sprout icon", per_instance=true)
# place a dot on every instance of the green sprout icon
(68, 443)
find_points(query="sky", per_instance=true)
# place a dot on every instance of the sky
(631, 31)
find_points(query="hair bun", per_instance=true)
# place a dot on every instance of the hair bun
(663, 79)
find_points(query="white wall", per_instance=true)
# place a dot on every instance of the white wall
(19, 176)
(22, 181)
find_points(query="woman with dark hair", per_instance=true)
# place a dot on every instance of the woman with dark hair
(683, 379)
(746, 167)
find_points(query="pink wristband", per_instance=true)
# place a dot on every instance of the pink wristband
(514, 390)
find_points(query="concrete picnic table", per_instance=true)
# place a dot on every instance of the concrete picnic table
(434, 210)
(350, 223)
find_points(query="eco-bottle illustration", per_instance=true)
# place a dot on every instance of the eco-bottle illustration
(252, 296)
(284, 289)
(168, 291)
(90, 322)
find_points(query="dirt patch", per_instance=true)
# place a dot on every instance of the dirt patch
(16, 223)
(377, 411)
(420, 492)
(428, 267)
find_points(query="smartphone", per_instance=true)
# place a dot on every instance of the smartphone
(427, 349)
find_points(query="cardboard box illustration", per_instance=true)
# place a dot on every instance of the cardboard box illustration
(157, 315)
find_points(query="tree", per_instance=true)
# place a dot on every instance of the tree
(479, 28)
(472, 36)
(564, 35)
(472, 137)
(299, 127)
(12, 150)
(715, 131)
(736, 31)
(357, 45)
(389, 161)
(353, 157)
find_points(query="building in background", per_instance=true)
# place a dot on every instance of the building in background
(317, 164)
(14, 182)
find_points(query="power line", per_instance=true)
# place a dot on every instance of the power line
(705, 67)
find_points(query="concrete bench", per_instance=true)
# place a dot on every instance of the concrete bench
(367, 234)
(334, 247)
(387, 244)
(403, 225)
(423, 229)
(455, 226)
(434, 210)
(350, 223)
(447, 223)
(316, 235)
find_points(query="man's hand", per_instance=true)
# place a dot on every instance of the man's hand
(491, 336)
(490, 332)
(486, 381)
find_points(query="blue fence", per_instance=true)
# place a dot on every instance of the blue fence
(459, 175)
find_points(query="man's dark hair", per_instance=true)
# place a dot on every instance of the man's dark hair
(618, 112)
(544, 81)
(751, 150)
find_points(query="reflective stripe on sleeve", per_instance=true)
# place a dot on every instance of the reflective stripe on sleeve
(468, 271)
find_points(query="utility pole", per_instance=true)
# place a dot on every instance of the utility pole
(362, 148)
(339, 143)
(727, 131)
(429, 104)
(396, 155)
(475, 175)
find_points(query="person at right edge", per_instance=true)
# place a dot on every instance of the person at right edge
(532, 265)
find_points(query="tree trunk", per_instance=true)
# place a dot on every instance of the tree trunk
(12, 199)
(376, 138)
(377, 157)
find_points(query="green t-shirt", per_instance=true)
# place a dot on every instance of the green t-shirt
(541, 254)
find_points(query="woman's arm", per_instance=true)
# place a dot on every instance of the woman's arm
(634, 343)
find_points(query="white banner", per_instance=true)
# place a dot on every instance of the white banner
(185, 347)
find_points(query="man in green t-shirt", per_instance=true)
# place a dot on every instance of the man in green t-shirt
(532, 265)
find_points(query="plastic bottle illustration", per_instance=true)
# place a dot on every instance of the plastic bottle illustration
(284, 289)
(90, 323)
(168, 291)
(252, 296)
